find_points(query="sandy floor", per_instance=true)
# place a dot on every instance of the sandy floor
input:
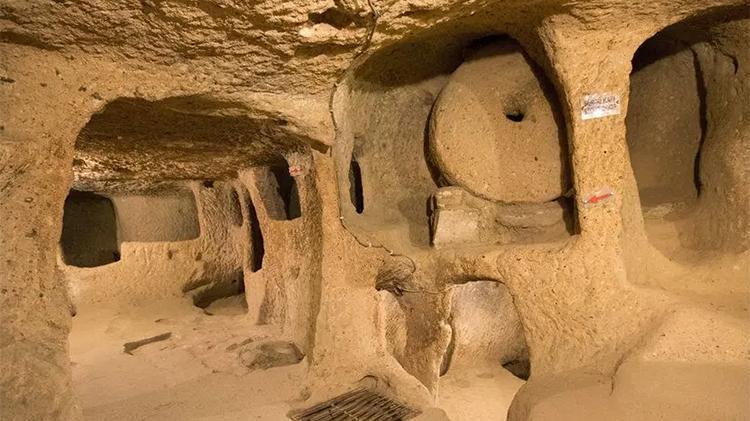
(197, 374)
(474, 394)
(704, 278)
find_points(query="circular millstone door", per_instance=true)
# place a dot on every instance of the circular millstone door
(494, 130)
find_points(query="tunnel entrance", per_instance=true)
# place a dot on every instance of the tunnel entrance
(685, 138)
(487, 359)
(284, 205)
(666, 121)
(89, 232)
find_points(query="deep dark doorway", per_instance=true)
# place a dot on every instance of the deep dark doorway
(356, 193)
(256, 239)
(287, 189)
(89, 233)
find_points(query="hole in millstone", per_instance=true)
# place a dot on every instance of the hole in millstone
(356, 194)
(515, 116)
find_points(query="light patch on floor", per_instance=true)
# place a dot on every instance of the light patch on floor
(478, 394)
(195, 374)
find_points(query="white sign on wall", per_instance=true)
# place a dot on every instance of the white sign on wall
(600, 105)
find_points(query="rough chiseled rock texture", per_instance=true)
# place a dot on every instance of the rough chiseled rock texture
(315, 82)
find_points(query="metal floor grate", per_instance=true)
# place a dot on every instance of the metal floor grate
(357, 405)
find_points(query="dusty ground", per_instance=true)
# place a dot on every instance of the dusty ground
(468, 394)
(198, 374)
(195, 374)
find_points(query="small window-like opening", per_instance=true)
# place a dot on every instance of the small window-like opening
(286, 188)
(235, 208)
(332, 16)
(256, 239)
(89, 232)
(209, 184)
(519, 368)
(356, 194)
(487, 336)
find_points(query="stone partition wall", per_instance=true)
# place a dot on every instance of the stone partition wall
(153, 269)
(170, 216)
(285, 290)
(369, 293)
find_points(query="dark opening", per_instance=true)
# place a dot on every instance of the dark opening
(204, 295)
(287, 190)
(89, 232)
(256, 239)
(356, 194)
(519, 368)
(515, 116)
(570, 218)
(235, 208)
(332, 16)
(666, 120)
(445, 364)
(209, 184)
(501, 342)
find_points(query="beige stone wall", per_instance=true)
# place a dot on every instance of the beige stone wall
(151, 218)
(584, 302)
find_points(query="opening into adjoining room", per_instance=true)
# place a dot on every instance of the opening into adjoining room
(683, 134)
(161, 239)
(89, 234)
(487, 358)
(285, 206)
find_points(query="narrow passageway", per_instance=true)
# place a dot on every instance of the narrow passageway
(163, 250)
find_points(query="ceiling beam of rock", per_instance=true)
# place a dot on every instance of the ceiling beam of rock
(133, 142)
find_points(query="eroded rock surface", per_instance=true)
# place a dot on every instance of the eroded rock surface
(292, 156)
(270, 354)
